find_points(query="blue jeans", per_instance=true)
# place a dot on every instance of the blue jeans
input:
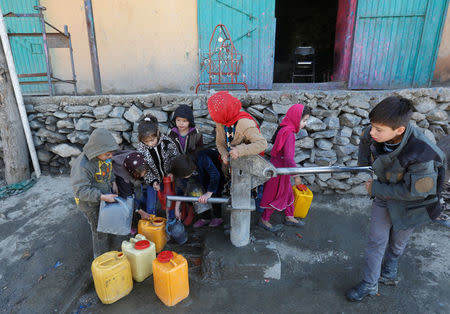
(259, 194)
(148, 201)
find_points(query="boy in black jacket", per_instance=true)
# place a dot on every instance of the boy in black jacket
(410, 173)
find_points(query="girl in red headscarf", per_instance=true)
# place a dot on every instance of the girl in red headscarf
(237, 133)
(278, 194)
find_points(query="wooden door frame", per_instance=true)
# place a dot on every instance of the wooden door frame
(343, 43)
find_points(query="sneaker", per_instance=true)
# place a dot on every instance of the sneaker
(362, 290)
(215, 222)
(201, 222)
(443, 219)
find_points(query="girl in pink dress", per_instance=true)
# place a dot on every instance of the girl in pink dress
(278, 194)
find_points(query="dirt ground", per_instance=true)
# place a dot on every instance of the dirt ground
(46, 250)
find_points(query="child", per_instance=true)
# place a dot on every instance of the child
(187, 138)
(129, 167)
(410, 171)
(158, 151)
(237, 133)
(278, 192)
(92, 181)
(210, 177)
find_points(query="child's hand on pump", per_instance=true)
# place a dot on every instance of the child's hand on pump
(204, 198)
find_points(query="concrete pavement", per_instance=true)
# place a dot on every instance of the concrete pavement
(45, 263)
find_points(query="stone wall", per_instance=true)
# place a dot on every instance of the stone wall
(61, 125)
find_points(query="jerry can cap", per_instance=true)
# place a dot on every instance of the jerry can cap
(143, 244)
(165, 256)
(301, 187)
(157, 221)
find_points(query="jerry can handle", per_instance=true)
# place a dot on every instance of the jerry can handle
(119, 255)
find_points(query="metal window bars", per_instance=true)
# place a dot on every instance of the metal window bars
(56, 39)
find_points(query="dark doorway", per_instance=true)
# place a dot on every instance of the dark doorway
(304, 23)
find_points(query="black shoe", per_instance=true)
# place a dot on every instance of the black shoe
(362, 290)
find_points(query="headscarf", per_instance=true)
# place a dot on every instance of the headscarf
(289, 124)
(226, 109)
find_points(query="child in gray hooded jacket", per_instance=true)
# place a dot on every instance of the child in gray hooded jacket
(92, 180)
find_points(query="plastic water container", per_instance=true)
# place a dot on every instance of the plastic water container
(175, 229)
(170, 276)
(302, 200)
(115, 218)
(140, 253)
(112, 276)
(154, 229)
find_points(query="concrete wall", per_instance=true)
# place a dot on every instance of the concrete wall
(143, 46)
(442, 70)
(62, 125)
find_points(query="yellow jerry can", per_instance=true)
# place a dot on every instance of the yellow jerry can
(170, 276)
(140, 253)
(112, 276)
(302, 200)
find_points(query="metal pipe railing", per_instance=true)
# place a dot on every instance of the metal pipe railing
(313, 170)
(193, 199)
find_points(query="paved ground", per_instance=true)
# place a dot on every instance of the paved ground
(42, 229)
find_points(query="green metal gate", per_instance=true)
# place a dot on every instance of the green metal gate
(251, 24)
(396, 43)
(28, 52)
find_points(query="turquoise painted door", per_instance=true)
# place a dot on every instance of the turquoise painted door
(28, 52)
(251, 24)
(396, 43)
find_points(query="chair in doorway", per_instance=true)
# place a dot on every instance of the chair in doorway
(304, 63)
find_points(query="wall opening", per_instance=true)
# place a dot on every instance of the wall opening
(304, 23)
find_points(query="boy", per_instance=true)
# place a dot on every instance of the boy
(92, 181)
(204, 167)
(410, 172)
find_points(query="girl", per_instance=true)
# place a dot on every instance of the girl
(237, 133)
(158, 150)
(129, 168)
(278, 192)
(187, 138)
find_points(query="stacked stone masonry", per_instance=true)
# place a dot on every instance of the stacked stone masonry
(62, 125)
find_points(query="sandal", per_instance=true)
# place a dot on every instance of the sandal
(274, 228)
(201, 222)
(300, 223)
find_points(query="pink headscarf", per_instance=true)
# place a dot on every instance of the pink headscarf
(290, 124)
